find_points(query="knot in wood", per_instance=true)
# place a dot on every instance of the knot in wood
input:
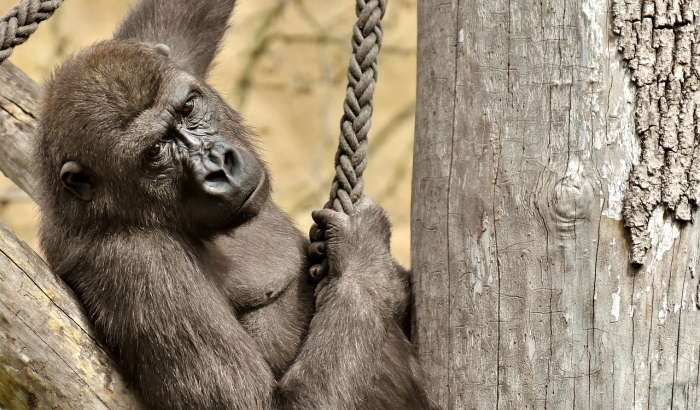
(571, 201)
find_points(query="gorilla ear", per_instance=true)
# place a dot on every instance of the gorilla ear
(77, 180)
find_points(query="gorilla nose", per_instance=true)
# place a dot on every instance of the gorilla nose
(220, 163)
(225, 184)
(227, 172)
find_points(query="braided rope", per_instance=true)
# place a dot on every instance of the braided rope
(22, 21)
(352, 155)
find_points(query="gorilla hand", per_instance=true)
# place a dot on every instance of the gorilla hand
(354, 247)
(317, 254)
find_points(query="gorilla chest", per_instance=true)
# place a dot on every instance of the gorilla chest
(250, 278)
(279, 327)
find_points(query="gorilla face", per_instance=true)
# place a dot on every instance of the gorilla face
(220, 181)
(163, 150)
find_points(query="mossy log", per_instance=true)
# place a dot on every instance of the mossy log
(50, 358)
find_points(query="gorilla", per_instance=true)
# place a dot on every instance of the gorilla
(156, 211)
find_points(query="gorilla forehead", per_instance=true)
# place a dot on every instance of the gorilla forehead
(105, 76)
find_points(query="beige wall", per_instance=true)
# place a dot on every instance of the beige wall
(293, 55)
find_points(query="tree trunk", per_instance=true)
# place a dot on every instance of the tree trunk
(525, 137)
(49, 354)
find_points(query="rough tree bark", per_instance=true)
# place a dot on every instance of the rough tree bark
(525, 137)
(49, 354)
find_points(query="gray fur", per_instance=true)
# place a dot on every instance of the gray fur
(201, 316)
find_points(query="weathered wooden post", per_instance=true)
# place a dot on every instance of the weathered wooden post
(525, 138)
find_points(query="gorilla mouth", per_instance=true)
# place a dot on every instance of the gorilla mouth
(254, 199)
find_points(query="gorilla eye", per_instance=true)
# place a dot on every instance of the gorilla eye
(156, 149)
(187, 109)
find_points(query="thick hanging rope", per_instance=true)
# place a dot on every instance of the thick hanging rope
(352, 156)
(22, 21)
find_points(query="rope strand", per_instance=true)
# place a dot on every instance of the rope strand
(22, 21)
(352, 156)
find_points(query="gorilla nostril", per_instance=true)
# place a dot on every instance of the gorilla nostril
(216, 177)
(228, 160)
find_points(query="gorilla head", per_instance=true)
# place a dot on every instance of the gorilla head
(162, 136)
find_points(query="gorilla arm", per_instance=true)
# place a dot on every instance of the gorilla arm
(356, 356)
(169, 325)
(186, 349)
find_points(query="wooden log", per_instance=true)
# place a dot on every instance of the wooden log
(525, 295)
(50, 357)
(19, 109)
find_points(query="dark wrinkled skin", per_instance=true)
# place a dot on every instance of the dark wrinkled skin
(156, 210)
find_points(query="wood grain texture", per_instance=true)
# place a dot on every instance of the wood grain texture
(19, 109)
(49, 355)
(433, 156)
(525, 296)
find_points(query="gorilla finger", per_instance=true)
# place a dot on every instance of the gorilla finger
(324, 268)
(316, 233)
(317, 272)
(312, 231)
(320, 270)
(317, 250)
(324, 217)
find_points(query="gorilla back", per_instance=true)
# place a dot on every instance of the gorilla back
(156, 210)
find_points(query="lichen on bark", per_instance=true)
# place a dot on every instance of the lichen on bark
(660, 41)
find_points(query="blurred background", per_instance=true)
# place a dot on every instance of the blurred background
(283, 66)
